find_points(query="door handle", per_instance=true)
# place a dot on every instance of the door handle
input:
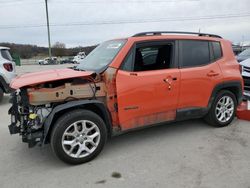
(169, 80)
(212, 74)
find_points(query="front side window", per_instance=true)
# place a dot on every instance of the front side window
(149, 57)
(194, 53)
(101, 56)
(6, 54)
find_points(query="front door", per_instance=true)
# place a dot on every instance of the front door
(148, 85)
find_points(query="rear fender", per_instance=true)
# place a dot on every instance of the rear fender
(233, 86)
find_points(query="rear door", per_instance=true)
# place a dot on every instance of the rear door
(148, 85)
(200, 73)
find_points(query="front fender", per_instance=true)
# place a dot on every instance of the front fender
(73, 104)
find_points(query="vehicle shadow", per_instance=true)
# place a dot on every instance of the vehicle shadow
(117, 144)
(137, 137)
(5, 100)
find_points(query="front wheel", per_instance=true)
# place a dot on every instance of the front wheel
(223, 109)
(78, 136)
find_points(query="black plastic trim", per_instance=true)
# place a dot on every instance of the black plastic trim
(190, 113)
(73, 104)
(225, 85)
(152, 33)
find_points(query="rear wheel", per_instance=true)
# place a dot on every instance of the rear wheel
(1, 94)
(223, 109)
(78, 136)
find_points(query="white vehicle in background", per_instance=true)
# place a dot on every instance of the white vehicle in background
(243, 55)
(7, 71)
(79, 57)
(245, 66)
(48, 61)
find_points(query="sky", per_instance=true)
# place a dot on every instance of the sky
(89, 22)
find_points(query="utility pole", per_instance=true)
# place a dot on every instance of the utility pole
(47, 16)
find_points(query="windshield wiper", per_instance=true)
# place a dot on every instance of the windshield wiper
(76, 69)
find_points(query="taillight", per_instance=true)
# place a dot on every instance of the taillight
(8, 67)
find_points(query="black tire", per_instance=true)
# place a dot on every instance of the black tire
(1, 94)
(65, 122)
(211, 117)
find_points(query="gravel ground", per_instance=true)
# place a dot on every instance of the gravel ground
(184, 154)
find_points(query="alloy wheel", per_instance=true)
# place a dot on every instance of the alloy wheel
(81, 139)
(224, 109)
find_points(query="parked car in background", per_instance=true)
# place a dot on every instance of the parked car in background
(245, 67)
(243, 55)
(79, 57)
(126, 84)
(48, 61)
(7, 71)
(68, 60)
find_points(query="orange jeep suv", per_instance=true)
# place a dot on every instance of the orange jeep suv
(125, 84)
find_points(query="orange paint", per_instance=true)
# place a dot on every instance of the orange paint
(136, 99)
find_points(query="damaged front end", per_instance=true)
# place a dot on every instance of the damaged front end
(26, 119)
(33, 103)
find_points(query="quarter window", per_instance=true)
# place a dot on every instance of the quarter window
(194, 53)
(217, 50)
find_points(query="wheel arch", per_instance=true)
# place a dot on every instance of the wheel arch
(234, 86)
(92, 105)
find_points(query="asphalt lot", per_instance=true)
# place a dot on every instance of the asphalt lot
(184, 154)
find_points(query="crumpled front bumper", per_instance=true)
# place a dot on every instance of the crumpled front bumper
(21, 124)
(14, 113)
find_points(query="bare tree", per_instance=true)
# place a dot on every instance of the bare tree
(59, 49)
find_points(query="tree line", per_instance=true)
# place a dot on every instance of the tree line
(59, 49)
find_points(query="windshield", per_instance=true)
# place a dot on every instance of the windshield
(245, 52)
(101, 56)
(6, 54)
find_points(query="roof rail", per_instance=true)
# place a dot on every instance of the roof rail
(152, 33)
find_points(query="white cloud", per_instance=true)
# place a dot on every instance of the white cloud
(27, 12)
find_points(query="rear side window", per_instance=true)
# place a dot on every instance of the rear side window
(216, 50)
(194, 53)
(6, 55)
